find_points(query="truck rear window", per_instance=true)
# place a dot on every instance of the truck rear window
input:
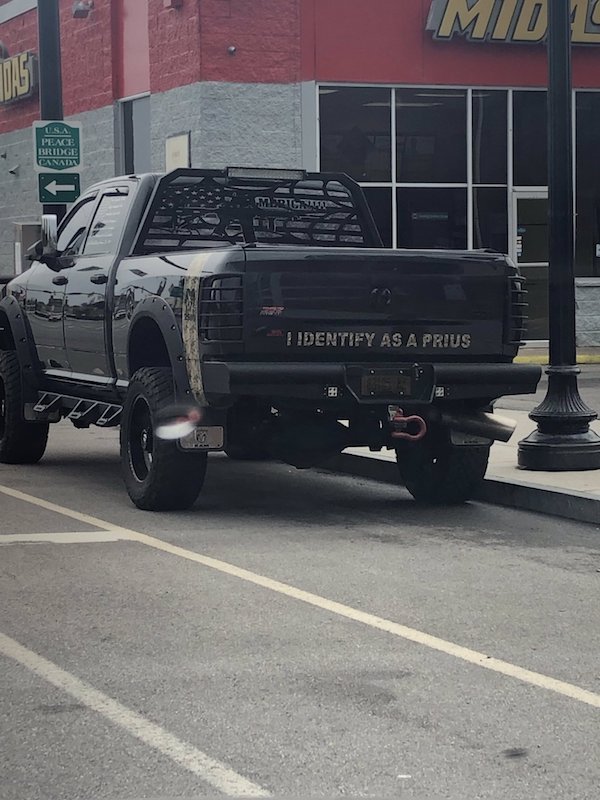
(192, 207)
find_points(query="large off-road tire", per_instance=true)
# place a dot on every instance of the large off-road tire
(158, 475)
(436, 472)
(21, 442)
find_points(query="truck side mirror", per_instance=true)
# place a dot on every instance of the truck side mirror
(46, 250)
(49, 235)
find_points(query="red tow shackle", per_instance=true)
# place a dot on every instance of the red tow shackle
(411, 428)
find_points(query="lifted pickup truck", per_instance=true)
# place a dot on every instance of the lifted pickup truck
(259, 310)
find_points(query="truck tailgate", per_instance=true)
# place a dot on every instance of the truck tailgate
(350, 304)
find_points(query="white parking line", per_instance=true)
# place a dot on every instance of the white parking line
(530, 677)
(213, 772)
(83, 537)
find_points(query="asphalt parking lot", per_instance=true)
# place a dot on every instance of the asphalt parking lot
(296, 634)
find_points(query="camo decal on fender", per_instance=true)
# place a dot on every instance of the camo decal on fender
(190, 325)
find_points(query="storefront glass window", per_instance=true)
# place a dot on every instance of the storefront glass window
(490, 219)
(489, 136)
(356, 132)
(380, 203)
(588, 184)
(432, 218)
(431, 141)
(530, 139)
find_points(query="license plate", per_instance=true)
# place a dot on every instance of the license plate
(203, 439)
(382, 384)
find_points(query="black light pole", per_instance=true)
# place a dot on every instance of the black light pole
(51, 105)
(563, 439)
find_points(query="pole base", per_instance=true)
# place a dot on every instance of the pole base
(545, 452)
(563, 441)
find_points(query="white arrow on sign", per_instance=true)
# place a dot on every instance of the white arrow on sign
(54, 188)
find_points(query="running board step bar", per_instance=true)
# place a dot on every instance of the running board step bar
(50, 407)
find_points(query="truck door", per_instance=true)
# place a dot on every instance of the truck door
(86, 297)
(46, 289)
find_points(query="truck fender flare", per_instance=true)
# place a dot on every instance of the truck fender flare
(24, 346)
(161, 313)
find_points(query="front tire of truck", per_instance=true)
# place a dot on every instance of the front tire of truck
(21, 442)
(157, 474)
(437, 472)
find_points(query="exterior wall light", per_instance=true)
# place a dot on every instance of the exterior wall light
(82, 8)
(173, 3)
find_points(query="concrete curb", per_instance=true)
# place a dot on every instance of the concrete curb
(577, 506)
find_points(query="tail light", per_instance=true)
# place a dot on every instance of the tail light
(516, 322)
(222, 309)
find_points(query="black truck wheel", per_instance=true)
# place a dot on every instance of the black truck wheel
(157, 474)
(437, 472)
(21, 442)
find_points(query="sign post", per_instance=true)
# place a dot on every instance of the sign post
(51, 105)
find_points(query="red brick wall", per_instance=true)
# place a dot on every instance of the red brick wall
(186, 45)
(86, 62)
(174, 44)
(86, 58)
(192, 43)
(19, 34)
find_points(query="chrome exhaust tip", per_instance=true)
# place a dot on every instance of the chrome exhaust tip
(481, 423)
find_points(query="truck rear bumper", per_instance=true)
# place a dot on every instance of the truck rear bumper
(335, 381)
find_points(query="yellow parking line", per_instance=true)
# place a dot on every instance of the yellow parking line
(465, 654)
(543, 360)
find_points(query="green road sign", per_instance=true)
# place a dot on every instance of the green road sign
(57, 146)
(59, 188)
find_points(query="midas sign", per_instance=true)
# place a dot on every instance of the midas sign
(509, 20)
(18, 77)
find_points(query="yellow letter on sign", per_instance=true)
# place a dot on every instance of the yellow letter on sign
(460, 17)
(532, 24)
(581, 32)
(504, 21)
(25, 76)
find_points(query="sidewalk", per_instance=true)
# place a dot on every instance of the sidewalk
(573, 495)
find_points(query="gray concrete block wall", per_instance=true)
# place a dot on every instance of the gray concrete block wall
(231, 124)
(588, 312)
(19, 193)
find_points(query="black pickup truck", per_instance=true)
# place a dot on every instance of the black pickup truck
(257, 312)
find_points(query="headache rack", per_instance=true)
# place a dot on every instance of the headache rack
(191, 208)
